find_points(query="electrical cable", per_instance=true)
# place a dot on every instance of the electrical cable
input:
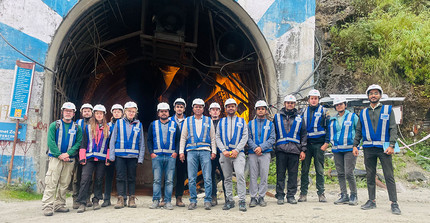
(232, 62)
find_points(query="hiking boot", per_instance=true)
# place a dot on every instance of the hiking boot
(89, 203)
(280, 201)
(353, 200)
(228, 205)
(120, 203)
(62, 209)
(344, 199)
(395, 208)
(96, 205)
(291, 200)
(82, 208)
(155, 204)
(179, 202)
(132, 201)
(303, 198)
(48, 211)
(321, 198)
(76, 204)
(168, 206)
(261, 202)
(106, 203)
(242, 206)
(208, 205)
(214, 201)
(253, 202)
(369, 205)
(192, 206)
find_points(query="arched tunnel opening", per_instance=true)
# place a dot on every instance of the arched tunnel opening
(157, 51)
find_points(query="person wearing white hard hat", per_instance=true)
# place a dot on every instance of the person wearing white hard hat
(163, 145)
(93, 157)
(64, 139)
(316, 119)
(290, 147)
(215, 113)
(231, 138)
(341, 134)
(179, 106)
(198, 140)
(117, 112)
(378, 130)
(127, 149)
(261, 138)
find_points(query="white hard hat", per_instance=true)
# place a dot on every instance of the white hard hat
(163, 106)
(314, 92)
(290, 98)
(214, 105)
(198, 101)
(230, 101)
(180, 100)
(100, 107)
(69, 105)
(260, 103)
(374, 87)
(339, 100)
(116, 106)
(86, 105)
(130, 104)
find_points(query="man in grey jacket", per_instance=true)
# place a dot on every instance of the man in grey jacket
(291, 141)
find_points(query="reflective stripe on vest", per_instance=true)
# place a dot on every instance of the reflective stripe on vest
(282, 137)
(181, 124)
(370, 138)
(124, 145)
(194, 142)
(236, 135)
(93, 149)
(315, 130)
(345, 139)
(159, 145)
(81, 123)
(267, 127)
(61, 135)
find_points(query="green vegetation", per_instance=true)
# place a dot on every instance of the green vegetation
(23, 192)
(422, 149)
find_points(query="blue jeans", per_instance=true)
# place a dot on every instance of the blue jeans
(163, 164)
(194, 158)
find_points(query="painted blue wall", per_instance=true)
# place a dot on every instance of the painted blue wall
(23, 169)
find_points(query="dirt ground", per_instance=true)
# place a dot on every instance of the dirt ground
(414, 203)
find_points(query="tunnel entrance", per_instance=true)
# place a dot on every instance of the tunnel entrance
(152, 51)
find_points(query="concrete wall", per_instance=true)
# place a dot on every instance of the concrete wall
(30, 25)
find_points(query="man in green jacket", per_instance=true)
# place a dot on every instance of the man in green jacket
(64, 139)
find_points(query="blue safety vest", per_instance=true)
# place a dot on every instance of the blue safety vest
(95, 150)
(382, 134)
(346, 138)
(282, 137)
(81, 123)
(65, 140)
(127, 146)
(173, 118)
(160, 147)
(237, 134)
(194, 142)
(314, 128)
(265, 134)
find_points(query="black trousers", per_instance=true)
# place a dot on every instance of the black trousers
(181, 176)
(371, 156)
(215, 165)
(125, 175)
(97, 167)
(109, 173)
(284, 162)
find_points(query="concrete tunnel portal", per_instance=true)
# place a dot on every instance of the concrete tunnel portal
(111, 52)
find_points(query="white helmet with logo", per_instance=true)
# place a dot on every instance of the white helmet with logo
(198, 101)
(290, 98)
(116, 106)
(86, 105)
(229, 102)
(163, 106)
(339, 100)
(180, 100)
(214, 105)
(69, 105)
(100, 107)
(130, 104)
(374, 87)
(261, 103)
(314, 92)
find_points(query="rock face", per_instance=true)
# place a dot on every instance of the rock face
(416, 176)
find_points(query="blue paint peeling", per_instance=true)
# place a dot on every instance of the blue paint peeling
(62, 7)
(284, 13)
(32, 47)
(23, 169)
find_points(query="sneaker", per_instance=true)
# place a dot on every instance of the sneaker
(321, 198)
(208, 205)
(253, 202)
(214, 201)
(302, 198)
(76, 204)
(369, 205)
(62, 209)
(395, 208)
(48, 211)
(353, 200)
(155, 204)
(280, 201)
(291, 200)
(228, 205)
(192, 206)
(96, 205)
(242, 206)
(344, 199)
(82, 208)
(106, 203)
(89, 203)
(168, 206)
(261, 202)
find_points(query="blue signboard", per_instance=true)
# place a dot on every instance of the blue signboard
(7, 131)
(21, 89)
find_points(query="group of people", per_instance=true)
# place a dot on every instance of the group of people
(181, 146)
